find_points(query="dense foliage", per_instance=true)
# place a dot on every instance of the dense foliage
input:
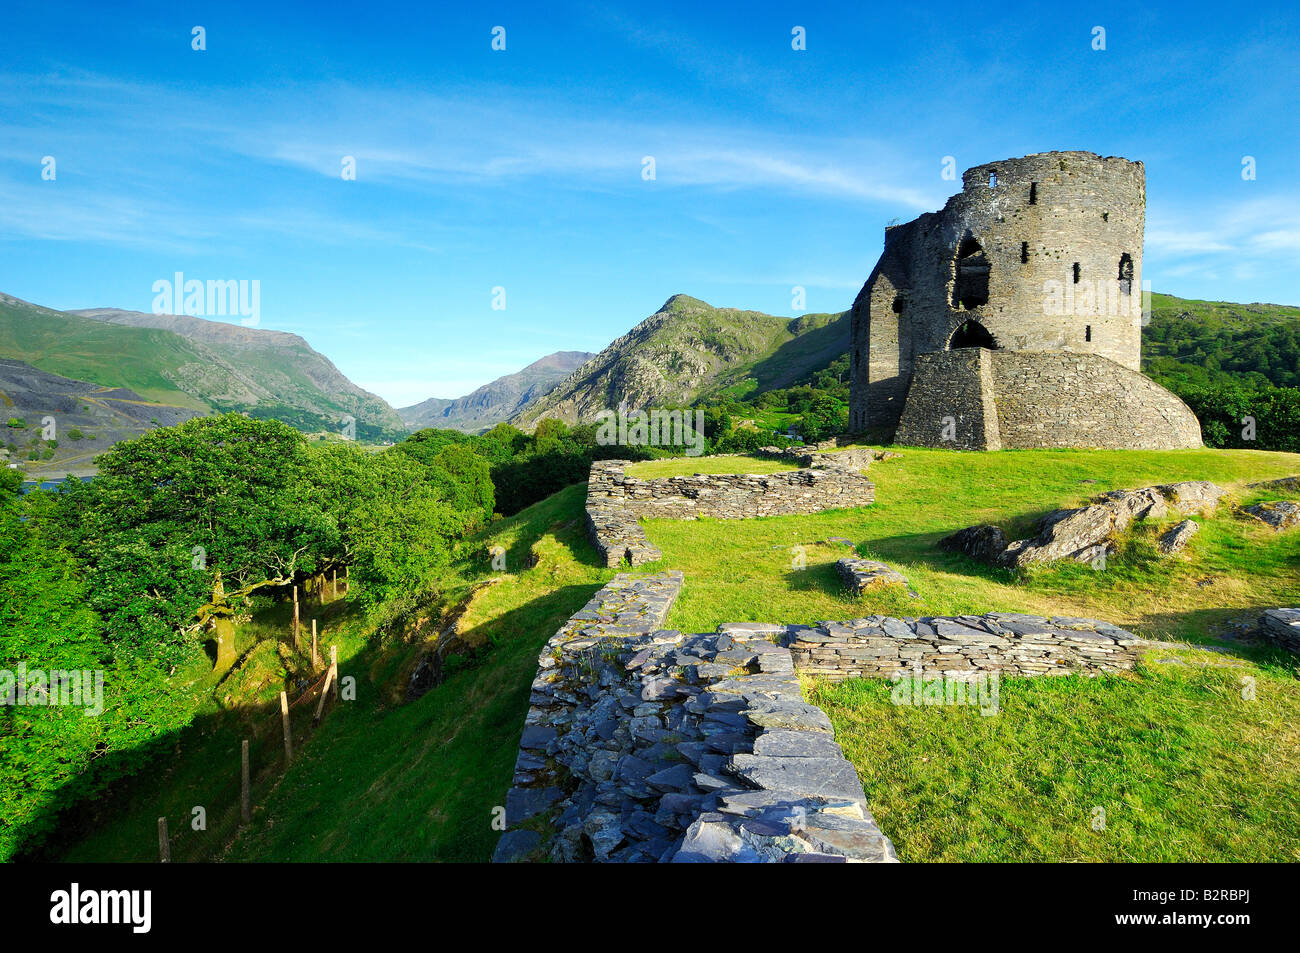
(117, 576)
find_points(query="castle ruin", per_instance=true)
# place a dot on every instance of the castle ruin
(1013, 317)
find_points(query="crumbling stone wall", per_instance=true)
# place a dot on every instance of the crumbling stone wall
(616, 501)
(1282, 627)
(649, 745)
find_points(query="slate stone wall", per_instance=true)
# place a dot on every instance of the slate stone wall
(1007, 643)
(1282, 627)
(649, 745)
(616, 501)
(727, 495)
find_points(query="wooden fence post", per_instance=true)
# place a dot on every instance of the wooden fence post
(335, 575)
(164, 843)
(245, 787)
(315, 659)
(334, 669)
(295, 617)
(284, 719)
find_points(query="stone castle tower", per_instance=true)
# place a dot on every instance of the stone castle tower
(1013, 317)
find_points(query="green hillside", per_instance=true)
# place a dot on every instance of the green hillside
(105, 354)
(689, 350)
(1204, 342)
(194, 363)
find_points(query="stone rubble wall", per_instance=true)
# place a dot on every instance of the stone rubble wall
(1003, 642)
(1282, 627)
(616, 501)
(643, 744)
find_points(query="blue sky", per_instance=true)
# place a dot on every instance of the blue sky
(522, 168)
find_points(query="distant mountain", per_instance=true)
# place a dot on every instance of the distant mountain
(689, 349)
(207, 366)
(498, 401)
(52, 425)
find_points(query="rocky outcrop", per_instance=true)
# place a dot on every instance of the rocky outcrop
(1176, 540)
(1088, 533)
(986, 542)
(1282, 627)
(962, 647)
(649, 745)
(863, 574)
(1279, 514)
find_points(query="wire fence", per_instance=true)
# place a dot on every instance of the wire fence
(227, 801)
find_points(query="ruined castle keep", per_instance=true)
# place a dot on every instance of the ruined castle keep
(1013, 317)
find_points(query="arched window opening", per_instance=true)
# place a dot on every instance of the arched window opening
(972, 334)
(1126, 273)
(993, 180)
(971, 289)
(1077, 272)
(898, 304)
(1024, 253)
(1033, 193)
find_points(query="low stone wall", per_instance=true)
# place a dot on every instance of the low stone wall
(1007, 643)
(616, 501)
(649, 745)
(1282, 627)
(727, 495)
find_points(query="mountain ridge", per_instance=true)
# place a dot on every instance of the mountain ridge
(498, 400)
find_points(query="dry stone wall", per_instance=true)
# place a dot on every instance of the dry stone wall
(643, 744)
(962, 646)
(615, 501)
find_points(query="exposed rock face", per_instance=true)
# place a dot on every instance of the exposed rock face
(649, 745)
(962, 647)
(1086, 533)
(1280, 515)
(986, 542)
(863, 574)
(616, 501)
(689, 348)
(1282, 626)
(1176, 540)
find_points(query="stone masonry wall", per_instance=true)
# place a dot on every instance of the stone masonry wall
(1026, 400)
(1282, 627)
(1082, 400)
(616, 501)
(956, 385)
